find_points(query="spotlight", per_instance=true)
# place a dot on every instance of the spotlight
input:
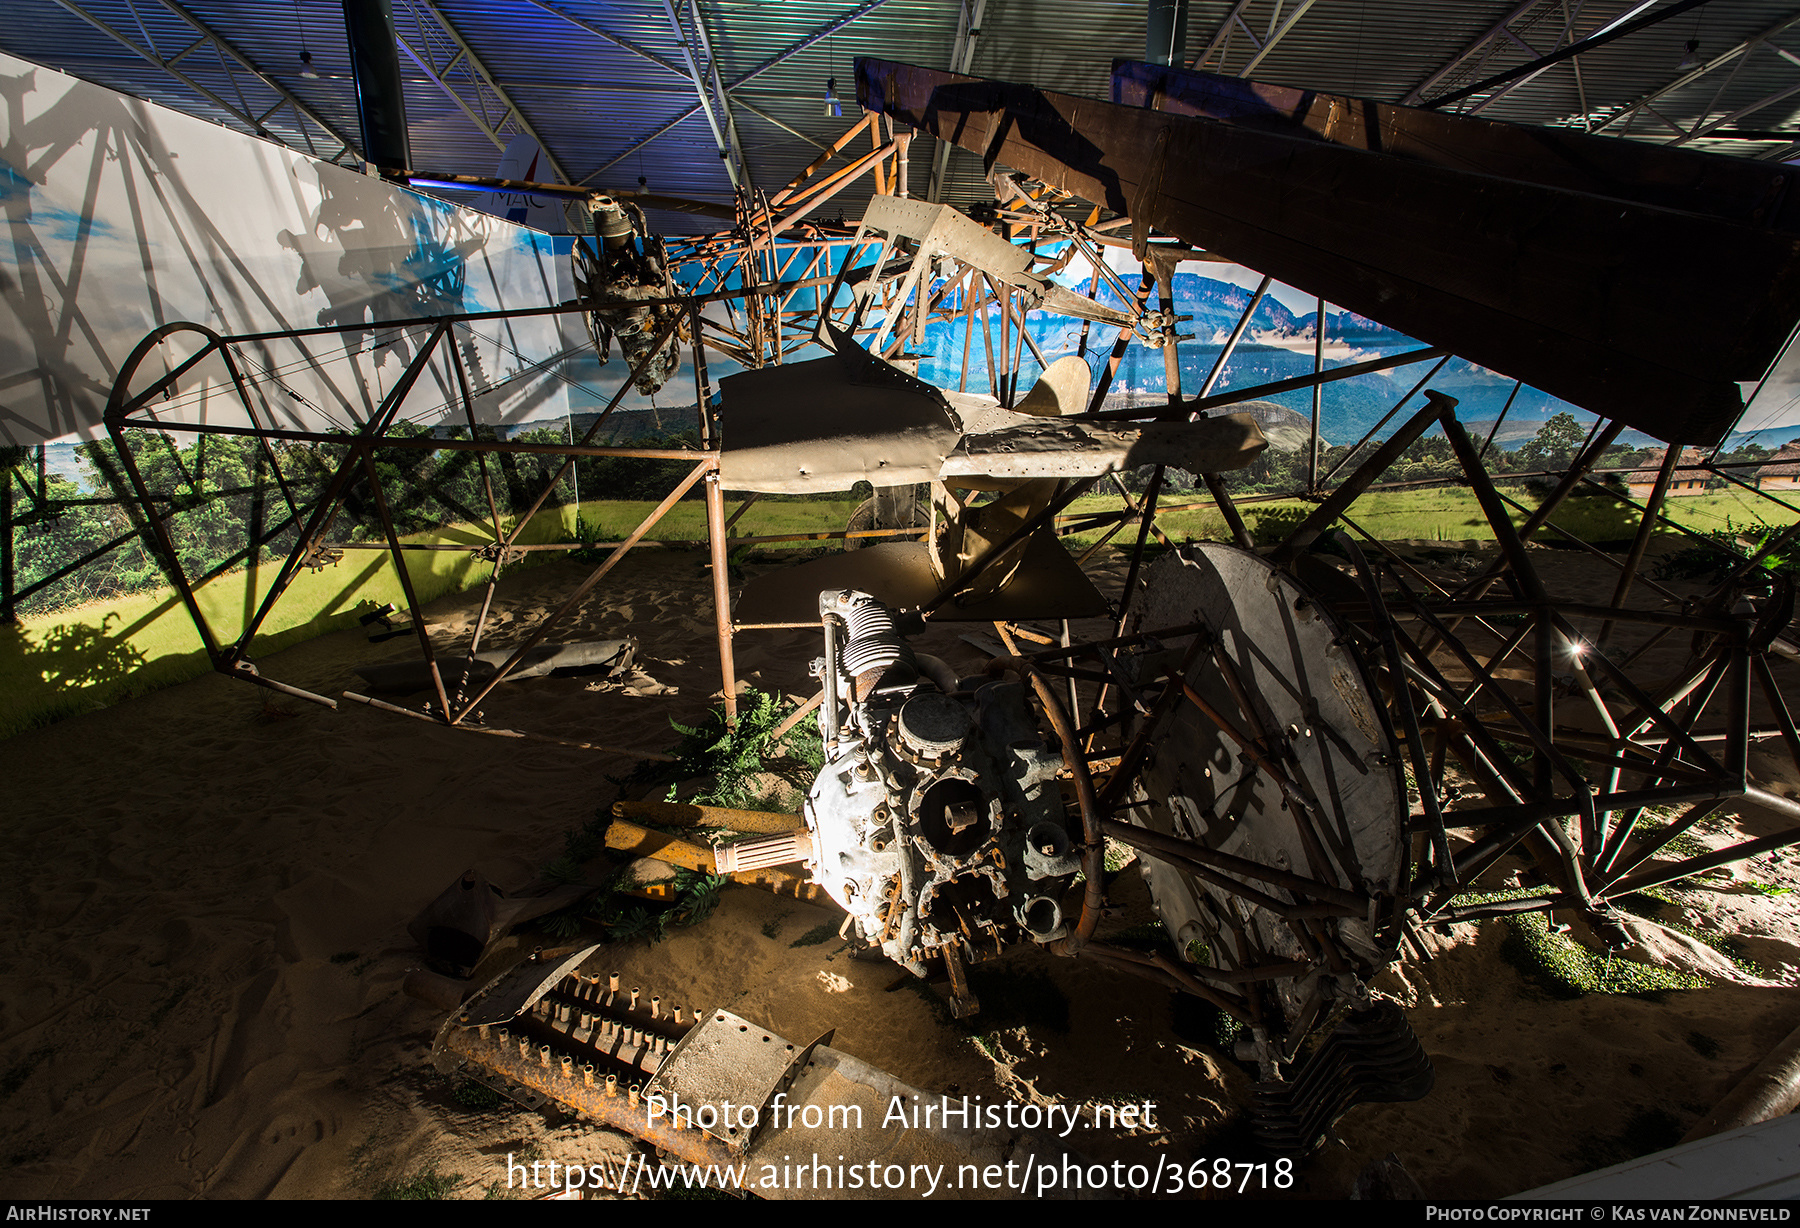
(1692, 58)
(833, 109)
(306, 68)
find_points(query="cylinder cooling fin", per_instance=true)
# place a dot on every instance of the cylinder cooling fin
(937, 823)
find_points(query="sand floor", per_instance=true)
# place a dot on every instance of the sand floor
(208, 887)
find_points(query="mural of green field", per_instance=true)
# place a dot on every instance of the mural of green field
(73, 660)
(1452, 514)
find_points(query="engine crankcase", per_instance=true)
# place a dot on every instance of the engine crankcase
(937, 821)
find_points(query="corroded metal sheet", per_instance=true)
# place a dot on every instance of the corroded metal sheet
(521, 988)
(1277, 669)
(586, 1045)
(1056, 447)
(806, 428)
(827, 424)
(1728, 189)
(940, 229)
(726, 1063)
(1639, 311)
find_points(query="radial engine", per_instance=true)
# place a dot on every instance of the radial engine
(630, 264)
(937, 822)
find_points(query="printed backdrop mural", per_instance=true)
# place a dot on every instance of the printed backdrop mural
(122, 216)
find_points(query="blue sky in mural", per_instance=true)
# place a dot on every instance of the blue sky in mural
(1774, 411)
(592, 384)
(50, 222)
(1279, 344)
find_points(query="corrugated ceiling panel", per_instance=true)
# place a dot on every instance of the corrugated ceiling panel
(605, 84)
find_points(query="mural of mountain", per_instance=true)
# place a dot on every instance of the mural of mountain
(1215, 306)
(1276, 346)
(1285, 429)
(1772, 437)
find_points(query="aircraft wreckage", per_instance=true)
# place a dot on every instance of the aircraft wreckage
(1314, 749)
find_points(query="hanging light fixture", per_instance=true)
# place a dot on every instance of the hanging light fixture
(833, 110)
(306, 65)
(1691, 52)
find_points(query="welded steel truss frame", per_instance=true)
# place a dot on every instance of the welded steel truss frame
(1520, 718)
(762, 264)
(756, 268)
(440, 51)
(1440, 650)
(770, 330)
(314, 546)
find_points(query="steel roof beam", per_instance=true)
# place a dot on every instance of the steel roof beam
(962, 57)
(794, 48)
(228, 55)
(1734, 58)
(1704, 127)
(770, 119)
(1624, 25)
(805, 41)
(1565, 43)
(1221, 39)
(724, 99)
(480, 78)
(728, 151)
(1483, 47)
(1275, 29)
(668, 66)
(1712, 65)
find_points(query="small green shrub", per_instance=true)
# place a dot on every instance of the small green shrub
(429, 1184)
(476, 1097)
(1566, 969)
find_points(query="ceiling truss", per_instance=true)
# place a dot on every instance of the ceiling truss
(696, 50)
(442, 54)
(1709, 119)
(1508, 37)
(724, 91)
(1237, 34)
(244, 79)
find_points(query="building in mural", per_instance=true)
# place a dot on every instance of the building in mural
(1690, 476)
(1783, 470)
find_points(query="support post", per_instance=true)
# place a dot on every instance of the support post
(715, 532)
(1640, 542)
(1312, 441)
(7, 613)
